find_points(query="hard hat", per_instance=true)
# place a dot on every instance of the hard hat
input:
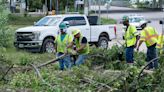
(62, 26)
(75, 32)
(67, 23)
(124, 18)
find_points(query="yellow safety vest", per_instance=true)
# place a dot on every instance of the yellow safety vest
(149, 35)
(160, 43)
(130, 36)
(78, 44)
(62, 45)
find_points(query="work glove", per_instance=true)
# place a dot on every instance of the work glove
(74, 52)
(66, 51)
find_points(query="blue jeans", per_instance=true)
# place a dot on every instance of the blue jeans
(151, 54)
(129, 54)
(66, 61)
(80, 60)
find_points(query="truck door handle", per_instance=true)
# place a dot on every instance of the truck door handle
(87, 28)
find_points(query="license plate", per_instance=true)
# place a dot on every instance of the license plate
(20, 45)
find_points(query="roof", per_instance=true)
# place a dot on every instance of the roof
(65, 15)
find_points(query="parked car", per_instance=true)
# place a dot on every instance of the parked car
(41, 36)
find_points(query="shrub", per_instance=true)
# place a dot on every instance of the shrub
(5, 35)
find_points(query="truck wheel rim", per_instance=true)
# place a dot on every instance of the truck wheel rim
(104, 44)
(49, 47)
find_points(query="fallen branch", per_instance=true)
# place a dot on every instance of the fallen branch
(40, 76)
(52, 61)
(98, 83)
(3, 77)
(139, 76)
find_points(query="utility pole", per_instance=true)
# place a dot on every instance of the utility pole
(99, 2)
(86, 7)
(50, 5)
(57, 6)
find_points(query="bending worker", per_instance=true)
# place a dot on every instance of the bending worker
(149, 36)
(62, 41)
(82, 46)
(131, 38)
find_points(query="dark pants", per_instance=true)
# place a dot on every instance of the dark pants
(129, 54)
(151, 54)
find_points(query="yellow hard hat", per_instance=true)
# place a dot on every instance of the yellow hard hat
(75, 32)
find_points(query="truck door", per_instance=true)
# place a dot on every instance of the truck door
(80, 23)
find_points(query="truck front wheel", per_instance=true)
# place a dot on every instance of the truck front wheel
(48, 46)
(103, 42)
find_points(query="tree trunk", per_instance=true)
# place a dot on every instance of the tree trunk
(160, 3)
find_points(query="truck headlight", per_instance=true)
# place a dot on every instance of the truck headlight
(36, 35)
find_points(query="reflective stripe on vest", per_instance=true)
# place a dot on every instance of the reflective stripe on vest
(149, 37)
(160, 42)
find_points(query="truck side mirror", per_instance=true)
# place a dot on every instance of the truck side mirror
(149, 21)
(161, 22)
(34, 23)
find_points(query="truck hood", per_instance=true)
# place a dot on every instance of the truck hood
(36, 28)
(135, 24)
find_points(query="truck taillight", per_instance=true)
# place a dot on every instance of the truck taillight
(115, 31)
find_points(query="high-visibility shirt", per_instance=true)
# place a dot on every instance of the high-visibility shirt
(160, 41)
(78, 45)
(130, 36)
(149, 36)
(62, 44)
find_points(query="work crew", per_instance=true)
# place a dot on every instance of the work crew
(62, 41)
(131, 38)
(81, 46)
(149, 36)
(160, 43)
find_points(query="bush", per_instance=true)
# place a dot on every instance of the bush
(108, 21)
(5, 35)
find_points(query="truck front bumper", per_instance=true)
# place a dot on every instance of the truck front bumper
(32, 45)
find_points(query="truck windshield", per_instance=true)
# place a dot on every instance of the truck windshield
(48, 21)
(136, 19)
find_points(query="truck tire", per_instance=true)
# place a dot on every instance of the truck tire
(103, 42)
(48, 46)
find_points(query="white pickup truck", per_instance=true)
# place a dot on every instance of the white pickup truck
(41, 36)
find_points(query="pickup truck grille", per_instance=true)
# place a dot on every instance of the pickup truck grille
(24, 36)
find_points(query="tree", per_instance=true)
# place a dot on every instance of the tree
(35, 4)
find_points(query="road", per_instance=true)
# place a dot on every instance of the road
(147, 15)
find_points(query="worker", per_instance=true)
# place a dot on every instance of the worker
(81, 46)
(62, 41)
(131, 38)
(160, 43)
(149, 36)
